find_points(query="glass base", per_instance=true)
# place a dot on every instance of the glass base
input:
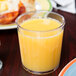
(40, 73)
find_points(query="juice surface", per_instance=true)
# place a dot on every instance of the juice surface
(41, 24)
(40, 51)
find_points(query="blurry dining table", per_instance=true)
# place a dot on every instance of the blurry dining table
(10, 52)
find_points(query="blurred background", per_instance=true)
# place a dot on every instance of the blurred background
(65, 5)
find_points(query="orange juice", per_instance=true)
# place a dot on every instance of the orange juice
(40, 48)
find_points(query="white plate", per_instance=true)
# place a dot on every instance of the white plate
(8, 26)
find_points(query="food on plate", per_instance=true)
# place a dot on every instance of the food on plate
(44, 4)
(11, 9)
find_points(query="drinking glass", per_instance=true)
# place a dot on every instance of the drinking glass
(1, 63)
(40, 50)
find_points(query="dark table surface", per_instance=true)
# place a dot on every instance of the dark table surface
(10, 53)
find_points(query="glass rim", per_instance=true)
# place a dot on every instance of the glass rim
(62, 23)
